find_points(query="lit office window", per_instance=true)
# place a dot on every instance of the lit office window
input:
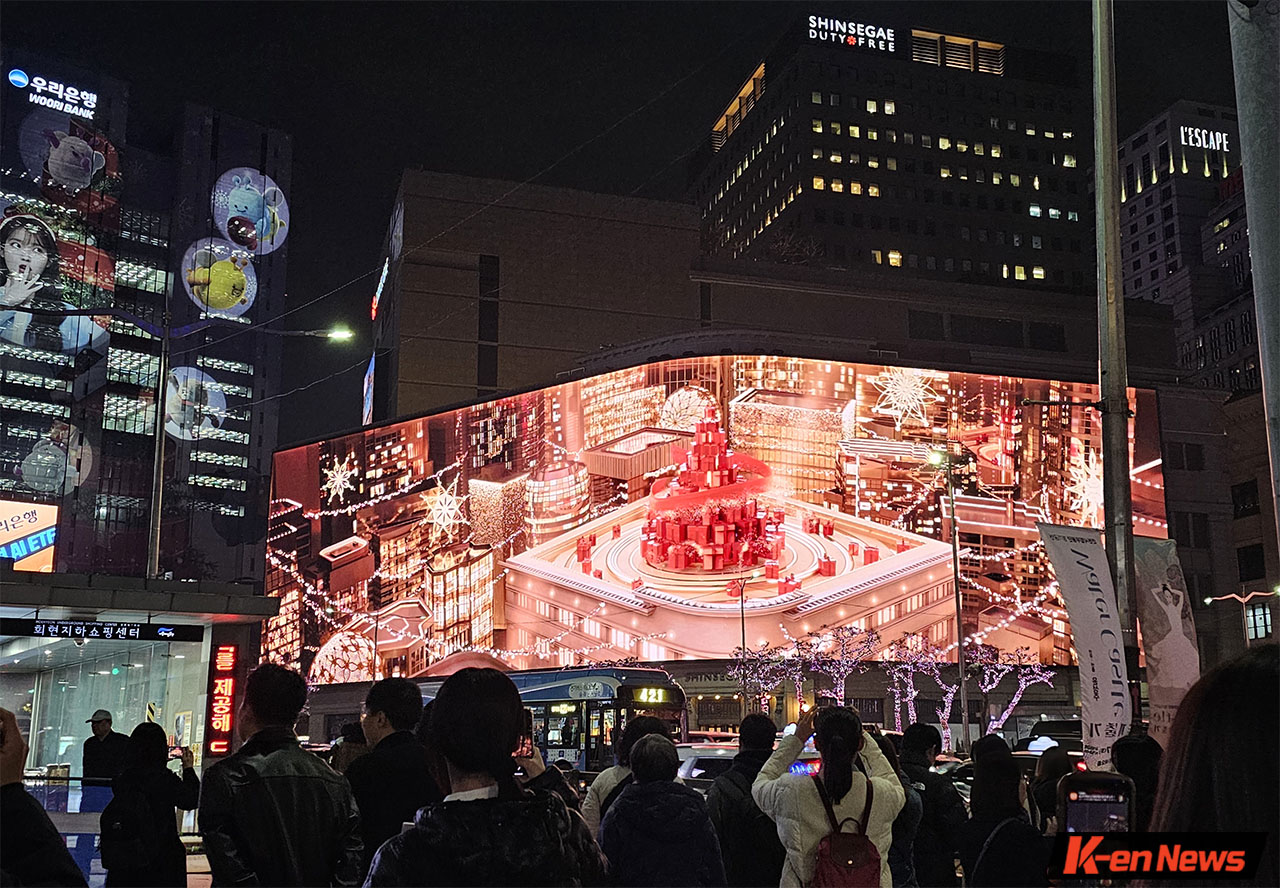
(1073, 216)
(944, 142)
(873, 134)
(996, 177)
(873, 191)
(945, 172)
(1015, 180)
(837, 129)
(995, 150)
(877, 257)
(1035, 183)
(890, 107)
(1257, 616)
(855, 187)
(836, 157)
(1034, 210)
(815, 98)
(855, 131)
(926, 141)
(871, 106)
(817, 153)
(817, 125)
(962, 146)
(1055, 213)
(837, 185)
(979, 148)
(873, 161)
(1068, 160)
(1005, 271)
(1020, 272)
(1031, 130)
(895, 258)
(1037, 272)
(819, 183)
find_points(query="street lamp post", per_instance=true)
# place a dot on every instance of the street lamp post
(945, 458)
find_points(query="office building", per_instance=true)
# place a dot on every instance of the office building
(928, 155)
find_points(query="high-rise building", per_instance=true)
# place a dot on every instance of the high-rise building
(886, 143)
(110, 239)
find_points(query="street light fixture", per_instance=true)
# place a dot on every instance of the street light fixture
(944, 457)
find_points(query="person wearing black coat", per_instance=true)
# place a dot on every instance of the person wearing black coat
(32, 852)
(488, 830)
(944, 813)
(147, 785)
(658, 832)
(391, 781)
(749, 845)
(1000, 846)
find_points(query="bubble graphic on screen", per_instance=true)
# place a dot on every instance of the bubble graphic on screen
(58, 461)
(193, 404)
(219, 277)
(250, 210)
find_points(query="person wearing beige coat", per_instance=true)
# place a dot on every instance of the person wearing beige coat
(793, 802)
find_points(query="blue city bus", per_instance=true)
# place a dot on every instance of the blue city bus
(578, 712)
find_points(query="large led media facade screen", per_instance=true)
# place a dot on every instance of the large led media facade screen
(666, 511)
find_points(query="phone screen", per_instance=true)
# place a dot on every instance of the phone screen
(525, 748)
(1096, 803)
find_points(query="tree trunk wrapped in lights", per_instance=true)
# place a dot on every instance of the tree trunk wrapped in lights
(840, 652)
(759, 671)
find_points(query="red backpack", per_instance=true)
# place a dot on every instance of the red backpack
(846, 859)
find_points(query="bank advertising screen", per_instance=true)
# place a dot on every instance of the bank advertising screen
(28, 534)
(663, 512)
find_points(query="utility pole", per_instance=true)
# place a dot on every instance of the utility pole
(157, 469)
(1113, 382)
(955, 572)
(1255, 58)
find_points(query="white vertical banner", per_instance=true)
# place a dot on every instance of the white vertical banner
(1084, 580)
(1168, 631)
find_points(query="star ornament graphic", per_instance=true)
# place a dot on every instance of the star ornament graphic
(445, 510)
(1085, 488)
(905, 395)
(338, 478)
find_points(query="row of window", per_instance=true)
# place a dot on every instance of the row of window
(1219, 341)
(955, 87)
(889, 107)
(893, 258)
(943, 142)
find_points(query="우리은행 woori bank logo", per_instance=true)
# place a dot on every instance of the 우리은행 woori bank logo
(19, 78)
(1189, 856)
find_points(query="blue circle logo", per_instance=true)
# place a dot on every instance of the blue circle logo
(19, 78)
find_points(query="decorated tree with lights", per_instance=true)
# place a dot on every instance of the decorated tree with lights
(905, 658)
(758, 671)
(1028, 671)
(840, 652)
(991, 668)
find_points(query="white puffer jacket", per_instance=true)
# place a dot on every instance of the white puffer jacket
(793, 802)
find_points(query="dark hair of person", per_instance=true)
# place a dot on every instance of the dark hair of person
(886, 746)
(996, 777)
(757, 731)
(920, 738)
(1138, 756)
(475, 724)
(837, 734)
(275, 695)
(44, 234)
(991, 744)
(422, 730)
(148, 745)
(398, 699)
(654, 759)
(1053, 764)
(352, 733)
(640, 726)
(435, 764)
(1222, 764)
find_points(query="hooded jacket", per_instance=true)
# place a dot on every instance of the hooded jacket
(749, 845)
(939, 831)
(659, 833)
(792, 800)
(531, 840)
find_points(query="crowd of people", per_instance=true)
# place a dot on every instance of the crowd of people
(446, 795)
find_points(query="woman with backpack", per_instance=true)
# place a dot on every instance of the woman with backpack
(837, 826)
(140, 844)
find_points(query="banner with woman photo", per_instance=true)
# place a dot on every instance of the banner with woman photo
(1167, 628)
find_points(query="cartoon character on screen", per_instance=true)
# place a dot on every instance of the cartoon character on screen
(29, 277)
(253, 215)
(53, 465)
(218, 283)
(72, 162)
(186, 404)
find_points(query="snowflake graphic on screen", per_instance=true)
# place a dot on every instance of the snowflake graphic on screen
(687, 407)
(445, 510)
(1084, 491)
(338, 477)
(905, 395)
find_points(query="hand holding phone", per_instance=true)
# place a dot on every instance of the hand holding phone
(525, 747)
(1095, 801)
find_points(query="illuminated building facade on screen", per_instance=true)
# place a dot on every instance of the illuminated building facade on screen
(653, 511)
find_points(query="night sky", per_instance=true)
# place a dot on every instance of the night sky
(603, 97)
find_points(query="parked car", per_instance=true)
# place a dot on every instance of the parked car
(707, 761)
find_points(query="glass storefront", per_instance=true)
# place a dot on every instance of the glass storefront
(54, 685)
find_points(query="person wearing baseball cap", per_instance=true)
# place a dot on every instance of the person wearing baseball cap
(105, 753)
